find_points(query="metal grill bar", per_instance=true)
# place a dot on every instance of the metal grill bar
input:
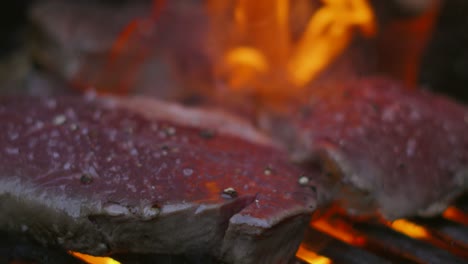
(418, 251)
(454, 233)
(339, 251)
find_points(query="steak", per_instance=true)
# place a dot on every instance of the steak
(112, 175)
(382, 149)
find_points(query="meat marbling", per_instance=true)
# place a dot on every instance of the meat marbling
(108, 175)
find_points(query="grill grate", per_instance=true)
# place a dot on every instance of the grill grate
(447, 242)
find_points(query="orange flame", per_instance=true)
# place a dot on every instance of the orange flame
(311, 257)
(264, 50)
(339, 230)
(416, 231)
(92, 259)
(263, 53)
(410, 229)
(454, 214)
(328, 33)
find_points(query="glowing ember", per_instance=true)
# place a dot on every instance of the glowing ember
(311, 257)
(410, 229)
(94, 260)
(339, 230)
(456, 215)
(261, 47)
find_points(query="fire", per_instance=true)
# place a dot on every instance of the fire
(265, 52)
(410, 229)
(330, 222)
(416, 231)
(248, 62)
(311, 257)
(94, 260)
(262, 47)
(339, 230)
(328, 33)
(454, 214)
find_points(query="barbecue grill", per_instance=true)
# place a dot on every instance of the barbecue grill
(447, 242)
(441, 239)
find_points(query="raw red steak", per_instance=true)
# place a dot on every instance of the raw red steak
(114, 175)
(383, 148)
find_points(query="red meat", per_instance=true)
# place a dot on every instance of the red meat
(113, 175)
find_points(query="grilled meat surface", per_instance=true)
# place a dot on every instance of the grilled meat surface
(381, 148)
(109, 175)
(105, 175)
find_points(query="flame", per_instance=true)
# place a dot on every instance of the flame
(247, 63)
(339, 230)
(311, 257)
(410, 229)
(416, 231)
(454, 214)
(328, 33)
(261, 50)
(263, 45)
(92, 259)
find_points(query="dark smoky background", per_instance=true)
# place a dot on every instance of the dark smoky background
(13, 19)
(445, 64)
